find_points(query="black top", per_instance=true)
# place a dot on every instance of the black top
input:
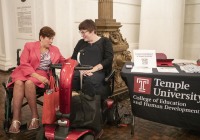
(100, 52)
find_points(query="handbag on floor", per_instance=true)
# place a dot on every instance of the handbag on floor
(51, 103)
(86, 109)
(86, 112)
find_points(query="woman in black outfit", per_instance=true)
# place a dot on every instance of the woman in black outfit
(95, 51)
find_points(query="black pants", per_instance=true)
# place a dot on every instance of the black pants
(92, 85)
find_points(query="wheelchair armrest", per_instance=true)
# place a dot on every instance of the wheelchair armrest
(56, 66)
(53, 68)
(110, 76)
(83, 67)
(11, 69)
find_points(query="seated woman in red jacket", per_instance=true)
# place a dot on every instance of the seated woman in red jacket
(31, 73)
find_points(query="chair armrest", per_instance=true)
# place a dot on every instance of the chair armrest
(110, 79)
(110, 76)
(11, 69)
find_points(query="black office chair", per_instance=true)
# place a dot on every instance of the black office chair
(9, 96)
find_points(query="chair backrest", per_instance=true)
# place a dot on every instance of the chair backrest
(161, 56)
(18, 57)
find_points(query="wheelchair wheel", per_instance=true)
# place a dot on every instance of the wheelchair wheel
(113, 115)
(87, 137)
(6, 123)
(8, 112)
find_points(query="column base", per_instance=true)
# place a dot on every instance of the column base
(5, 64)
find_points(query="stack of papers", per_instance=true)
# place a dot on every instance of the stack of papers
(190, 68)
(142, 69)
(167, 69)
(149, 70)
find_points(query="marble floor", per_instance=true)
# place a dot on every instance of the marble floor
(144, 129)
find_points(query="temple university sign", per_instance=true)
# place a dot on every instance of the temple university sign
(166, 94)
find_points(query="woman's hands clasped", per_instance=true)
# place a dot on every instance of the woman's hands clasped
(41, 78)
(44, 80)
(86, 72)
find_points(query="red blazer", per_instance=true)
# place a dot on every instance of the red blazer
(30, 61)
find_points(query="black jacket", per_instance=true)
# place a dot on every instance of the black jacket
(106, 51)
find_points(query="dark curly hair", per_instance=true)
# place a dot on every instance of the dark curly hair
(46, 32)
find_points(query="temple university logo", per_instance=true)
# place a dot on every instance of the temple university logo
(142, 85)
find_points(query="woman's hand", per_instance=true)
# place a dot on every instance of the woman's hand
(90, 72)
(86, 72)
(42, 79)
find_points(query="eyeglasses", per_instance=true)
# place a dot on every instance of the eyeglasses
(83, 32)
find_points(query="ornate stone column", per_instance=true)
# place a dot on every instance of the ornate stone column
(108, 27)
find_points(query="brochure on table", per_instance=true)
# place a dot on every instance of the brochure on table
(144, 61)
(167, 69)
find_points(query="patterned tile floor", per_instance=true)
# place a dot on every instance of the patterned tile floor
(144, 130)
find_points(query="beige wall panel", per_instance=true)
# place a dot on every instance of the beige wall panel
(191, 54)
(192, 13)
(192, 33)
(191, 42)
(192, 1)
